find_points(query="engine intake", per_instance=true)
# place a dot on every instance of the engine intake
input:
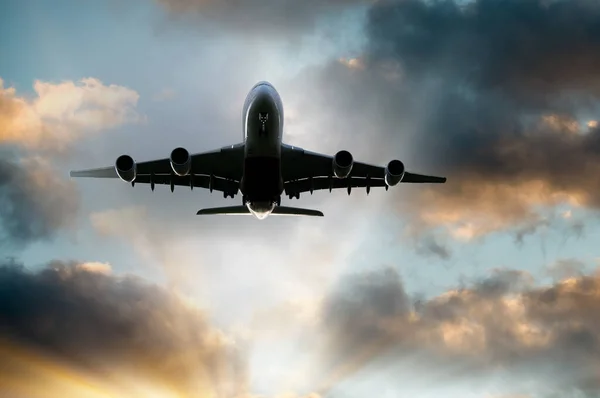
(342, 164)
(181, 161)
(126, 168)
(394, 172)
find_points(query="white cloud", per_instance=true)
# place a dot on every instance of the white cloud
(61, 112)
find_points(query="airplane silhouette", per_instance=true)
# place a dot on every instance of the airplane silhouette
(261, 167)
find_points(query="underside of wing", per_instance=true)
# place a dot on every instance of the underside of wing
(293, 188)
(305, 171)
(219, 170)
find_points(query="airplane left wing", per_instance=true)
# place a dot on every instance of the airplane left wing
(219, 169)
(305, 171)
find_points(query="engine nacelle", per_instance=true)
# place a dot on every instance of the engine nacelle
(342, 164)
(181, 161)
(394, 172)
(126, 168)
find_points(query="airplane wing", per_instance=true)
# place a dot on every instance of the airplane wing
(306, 171)
(219, 169)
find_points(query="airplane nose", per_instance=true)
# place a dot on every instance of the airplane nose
(263, 83)
(263, 100)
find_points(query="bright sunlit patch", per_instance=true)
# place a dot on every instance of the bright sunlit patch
(481, 208)
(96, 267)
(562, 123)
(463, 336)
(37, 375)
(464, 232)
(352, 63)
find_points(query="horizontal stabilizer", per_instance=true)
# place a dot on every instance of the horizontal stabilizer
(243, 211)
(227, 211)
(295, 211)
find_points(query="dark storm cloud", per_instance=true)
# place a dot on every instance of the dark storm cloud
(496, 95)
(260, 16)
(34, 201)
(503, 321)
(497, 62)
(105, 326)
(359, 303)
(530, 49)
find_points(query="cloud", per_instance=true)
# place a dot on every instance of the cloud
(429, 246)
(536, 338)
(566, 268)
(68, 330)
(499, 97)
(63, 111)
(35, 202)
(259, 16)
(94, 266)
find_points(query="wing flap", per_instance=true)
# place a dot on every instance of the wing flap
(320, 183)
(200, 181)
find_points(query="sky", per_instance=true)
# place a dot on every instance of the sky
(487, 286)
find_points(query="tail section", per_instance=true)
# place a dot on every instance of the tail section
(243, 211)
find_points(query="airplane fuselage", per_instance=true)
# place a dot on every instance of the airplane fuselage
(261, 185)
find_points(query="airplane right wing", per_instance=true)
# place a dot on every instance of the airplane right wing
(219, 169)
(306, 171)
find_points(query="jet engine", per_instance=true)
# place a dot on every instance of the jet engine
(126, 168)
(342, 164)
(394, 172)
(181, 161)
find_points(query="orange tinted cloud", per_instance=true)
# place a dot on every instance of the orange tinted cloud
(69, 330)
(502, 322)
(61, 112)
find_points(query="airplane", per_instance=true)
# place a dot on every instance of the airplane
(261, 167)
